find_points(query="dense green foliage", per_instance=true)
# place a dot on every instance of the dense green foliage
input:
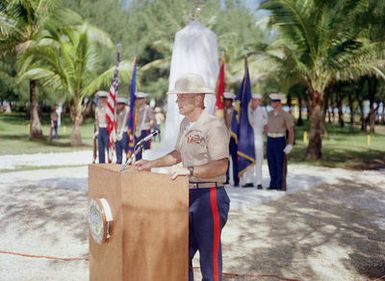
(315, 51)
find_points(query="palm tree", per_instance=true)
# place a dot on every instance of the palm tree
(65, 60)
(22, 22)
(322, 41)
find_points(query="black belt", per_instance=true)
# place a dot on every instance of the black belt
(194, 185)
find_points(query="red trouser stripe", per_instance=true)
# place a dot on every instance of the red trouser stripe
(216, 232)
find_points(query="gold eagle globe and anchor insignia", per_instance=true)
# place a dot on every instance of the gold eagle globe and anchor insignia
(100, 220)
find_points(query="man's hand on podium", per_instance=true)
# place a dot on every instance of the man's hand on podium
(143, 165)
(179, 171)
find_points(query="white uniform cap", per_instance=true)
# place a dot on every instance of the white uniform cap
(141, 95)
(102, 94)
(122, 100)
(256, 96)
(229, 95)
(191, 83)
(276, 96)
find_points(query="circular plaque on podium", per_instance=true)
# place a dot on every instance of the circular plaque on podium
(99, 219)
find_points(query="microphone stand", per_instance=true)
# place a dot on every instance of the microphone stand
(137, 148)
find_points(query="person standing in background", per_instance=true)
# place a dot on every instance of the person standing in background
(159, 117)
(121, 143)
(228, 115)
(278, 122)
(54, 123)
(101, 123)
(258, 119)
(145, 121)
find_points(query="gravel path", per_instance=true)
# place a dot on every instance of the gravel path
(330, 225)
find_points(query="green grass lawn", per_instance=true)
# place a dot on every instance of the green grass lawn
(342, 147)
(14, 136)
(345, 147)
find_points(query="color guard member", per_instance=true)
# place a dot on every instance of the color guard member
(101, 123)
(145, 121)
(121, 143)
(278, 121)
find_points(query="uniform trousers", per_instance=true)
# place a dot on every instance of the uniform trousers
(254, 175)
(120, 146)
(208, 213)
(275, 147)
(102, 144)
(54, 128)
(147, 145)
(234, 162)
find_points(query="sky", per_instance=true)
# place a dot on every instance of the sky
(251, 4)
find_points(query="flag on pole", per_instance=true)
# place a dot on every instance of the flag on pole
(111, 107)
(220, 90)
(131, 115)
(241, 129)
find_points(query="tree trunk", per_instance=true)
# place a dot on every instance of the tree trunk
(77, 119)
(300, 120)
(352, 123)
(339, 100)
(383, 113)
(35, 131)
(313, 151)
(326, 105)
(289, 103)
(372, 88)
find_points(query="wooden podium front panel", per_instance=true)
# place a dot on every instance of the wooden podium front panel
(155, 227)
(106, 260)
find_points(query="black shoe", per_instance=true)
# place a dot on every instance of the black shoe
(271, 188)
(259, 186)
(248, 185)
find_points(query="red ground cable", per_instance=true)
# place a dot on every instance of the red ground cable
(227, 274)
(42, 257)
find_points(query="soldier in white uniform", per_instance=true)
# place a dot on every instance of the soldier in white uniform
(121, 143)
(258, 119)
(145, 120)
(203, 149)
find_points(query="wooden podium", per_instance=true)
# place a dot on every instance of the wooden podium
(149, 232)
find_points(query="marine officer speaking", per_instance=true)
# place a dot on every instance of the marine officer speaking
(203, 149)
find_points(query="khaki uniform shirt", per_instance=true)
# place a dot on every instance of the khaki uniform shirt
(121, 123)
(100, 116)
(228, 116)
(280, 122)
(205, 140)
(144, 117)
(54, 116)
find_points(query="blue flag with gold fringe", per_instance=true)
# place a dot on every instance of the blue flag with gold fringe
(241, 129)
(131, 115)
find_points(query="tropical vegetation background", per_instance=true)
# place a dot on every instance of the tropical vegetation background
(327, 56)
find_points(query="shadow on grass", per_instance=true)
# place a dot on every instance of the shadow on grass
(369, 159)
(65, 143)
(303, 234)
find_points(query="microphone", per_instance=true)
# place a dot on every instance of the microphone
(138, 147)
(148, 137)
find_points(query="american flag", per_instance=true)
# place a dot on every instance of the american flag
(111, 103)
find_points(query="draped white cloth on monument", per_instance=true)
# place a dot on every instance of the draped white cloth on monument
(195, 50)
